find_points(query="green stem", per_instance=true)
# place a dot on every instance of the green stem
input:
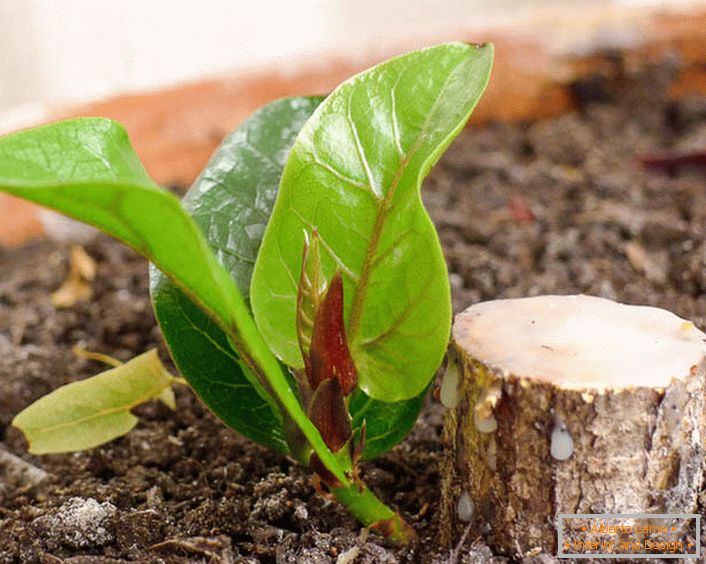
(371, 512)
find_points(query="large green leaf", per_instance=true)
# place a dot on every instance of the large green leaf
(212, 367)
(231, 202)
(68, 166)
(87, 169)
(91, 412)
(232, 199)
(354, 174)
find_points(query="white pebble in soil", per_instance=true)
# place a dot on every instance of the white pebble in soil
(484, 424)
(79, 523)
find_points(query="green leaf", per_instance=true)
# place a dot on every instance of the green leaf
(87, 169)
(386, 424)
(68, 166)
(310, 293)
(214, 370)
(232, 199)
(91, 412)
(231, 202)
(354, 174)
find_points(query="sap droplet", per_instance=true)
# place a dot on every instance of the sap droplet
(483, 416)
(562, 444)
(449, 394)
(465, 507)
(484, 424)
(491, 454)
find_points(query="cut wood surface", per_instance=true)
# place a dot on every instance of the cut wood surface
(569, 404)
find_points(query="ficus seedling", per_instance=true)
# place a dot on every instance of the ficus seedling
(300, 284)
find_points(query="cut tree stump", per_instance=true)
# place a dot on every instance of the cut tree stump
(569, 404)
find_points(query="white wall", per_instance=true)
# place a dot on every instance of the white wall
(67, 50)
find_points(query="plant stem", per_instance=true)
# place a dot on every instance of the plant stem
(371, 512)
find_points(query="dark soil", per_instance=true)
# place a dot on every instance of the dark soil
(557, 206)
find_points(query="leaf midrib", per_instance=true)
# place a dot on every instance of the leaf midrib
(102, 413)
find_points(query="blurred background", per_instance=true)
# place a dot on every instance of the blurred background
(67, 51)
(179, 76)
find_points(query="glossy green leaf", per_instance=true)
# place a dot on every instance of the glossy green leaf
(241, 181)
(91, 412)
(354, 174)
(232, 199)
(68, 166)
(87, 169)
(386, 424)
(214, 370)
(231, 202)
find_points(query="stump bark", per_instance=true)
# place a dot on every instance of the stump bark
(569, 404)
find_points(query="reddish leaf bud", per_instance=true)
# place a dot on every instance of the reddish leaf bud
(326, 476)
(329, 414)
(330, 357)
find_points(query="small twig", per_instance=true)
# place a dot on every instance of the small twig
(453, 555)
(670, 162)
(80, 352)
(183, 545)
(423, 510)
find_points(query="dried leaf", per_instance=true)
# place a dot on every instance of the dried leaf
(323, 474)
(77, 286)
(94, 411)
(83, 263)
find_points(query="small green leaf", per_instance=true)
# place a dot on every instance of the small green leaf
(231, 201)
(354, 174)
(91, 412)
(311, 290)
(386, 423)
